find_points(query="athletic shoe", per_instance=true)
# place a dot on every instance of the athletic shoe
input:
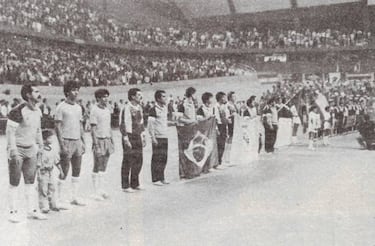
(128, 190)
(14, 217)
(78, 202)
(97, 197)
(138, 188)
(36, 215)
(63, 205)
(165, 182)
(158, 183)
(55, 209)
(45, 210)
(219, 167)
(105, 195)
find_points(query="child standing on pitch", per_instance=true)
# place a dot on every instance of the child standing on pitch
(313, 126)
(46, 176)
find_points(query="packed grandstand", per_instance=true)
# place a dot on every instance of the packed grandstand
(49, 42)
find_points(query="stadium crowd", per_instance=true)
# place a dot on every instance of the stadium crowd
(42, 62)
(76, 19)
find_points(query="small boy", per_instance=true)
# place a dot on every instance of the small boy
(313, 126)
(46, 177)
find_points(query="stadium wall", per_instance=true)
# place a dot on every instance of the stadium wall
(244, 86)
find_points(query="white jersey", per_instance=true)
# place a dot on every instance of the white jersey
(101, 117)
(327, 120)
(70, 116)
(314, 122)
(296, 118)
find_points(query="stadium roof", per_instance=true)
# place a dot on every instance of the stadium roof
(207, 8)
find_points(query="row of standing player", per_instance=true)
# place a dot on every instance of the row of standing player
(31, 151)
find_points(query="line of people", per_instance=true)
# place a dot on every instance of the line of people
(32, 153)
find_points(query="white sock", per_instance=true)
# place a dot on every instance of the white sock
(294, 139)
(311, 144)
(30, 195)
(101, 182)
(95, 182)
(75, 183)
(227, 153)
(12, 197)
(60, 189)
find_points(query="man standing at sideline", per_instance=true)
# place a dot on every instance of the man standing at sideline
(187, 110)
(133, 141)
(25, 143)
(222, 125)
(233, 110)
(158, 129)
(270, 122)
(102, 141)
(70, 134)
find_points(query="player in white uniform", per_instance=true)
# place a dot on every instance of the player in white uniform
(103, 145)
(313, 126)
(69, 131)
(24, 145)
(296, 123)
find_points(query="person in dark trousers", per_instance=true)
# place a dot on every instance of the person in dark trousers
(270, 122)
(158, 129)
(133, 141)
(222, 125)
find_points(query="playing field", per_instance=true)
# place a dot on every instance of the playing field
(293, 197)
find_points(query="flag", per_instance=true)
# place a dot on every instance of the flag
(321, 102)
(245, 144)
(197, 148)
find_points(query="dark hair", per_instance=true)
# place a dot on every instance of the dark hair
(250, 100)
(46, 133)
(190, 91)
(230, 95)
(132, 92)
(26, 89)
(70, 85)
(206, 96)
(220, 95)
(326, 108)
(272, 100)
(158, 94)
(100, 93)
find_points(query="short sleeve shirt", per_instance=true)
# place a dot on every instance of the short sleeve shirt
(160, 123)
(70, 116)
(28, 123)
(101, 117)
(188, 110)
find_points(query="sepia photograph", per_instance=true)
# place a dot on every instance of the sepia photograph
(187, 123)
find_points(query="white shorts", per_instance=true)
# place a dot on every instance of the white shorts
(327, 125)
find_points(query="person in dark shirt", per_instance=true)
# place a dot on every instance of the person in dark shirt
(366, 129)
